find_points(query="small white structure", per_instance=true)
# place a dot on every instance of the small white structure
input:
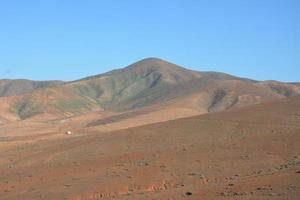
(69, 133)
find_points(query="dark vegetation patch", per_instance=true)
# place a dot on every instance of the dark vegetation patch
(218, 95)
(75, 105)
(115, 118)
(25, 109)
(282, 90)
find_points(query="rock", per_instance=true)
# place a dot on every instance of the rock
(69, 133)
(188, 193)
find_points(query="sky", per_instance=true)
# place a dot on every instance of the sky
(71, 39)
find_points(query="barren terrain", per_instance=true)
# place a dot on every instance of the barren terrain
(244, 153)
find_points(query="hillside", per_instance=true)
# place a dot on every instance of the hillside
(21, 86)
(147, 83)
(245, 153)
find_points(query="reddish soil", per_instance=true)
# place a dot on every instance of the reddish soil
(246, 153)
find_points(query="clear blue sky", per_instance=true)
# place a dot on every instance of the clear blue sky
(70, 39)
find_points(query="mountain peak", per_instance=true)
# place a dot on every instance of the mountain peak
(153, 63)
(152, 59)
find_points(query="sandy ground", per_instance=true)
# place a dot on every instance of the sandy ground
(247, 153)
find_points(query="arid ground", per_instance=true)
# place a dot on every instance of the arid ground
(152, 130)
(244, 153)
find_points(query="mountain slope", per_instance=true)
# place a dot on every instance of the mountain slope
(21, 86)
(147, 83)
(140, 84)
(246, 153)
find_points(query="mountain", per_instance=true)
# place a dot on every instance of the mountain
(148, 83)
(21, 86)
(295, 83)
(141, 84)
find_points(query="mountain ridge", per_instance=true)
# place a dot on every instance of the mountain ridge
(142, 84)
(10, 87)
